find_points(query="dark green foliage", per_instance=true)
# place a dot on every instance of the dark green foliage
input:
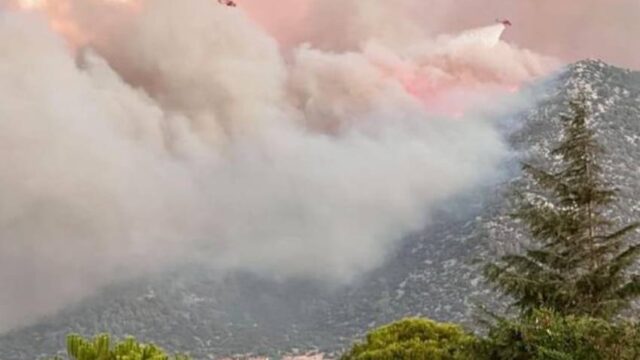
(415, 339)
(543, 335)
(101, 348)
(580, 264)
(547, 336)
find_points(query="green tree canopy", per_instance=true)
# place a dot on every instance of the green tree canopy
(102, 347)
(415, 339)
(546, 335)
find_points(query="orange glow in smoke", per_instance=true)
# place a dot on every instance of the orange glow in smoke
(437, 93)
(61, 19)
(44, 4)
(30, 4)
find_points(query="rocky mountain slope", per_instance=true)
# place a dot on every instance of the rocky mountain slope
(433, 274)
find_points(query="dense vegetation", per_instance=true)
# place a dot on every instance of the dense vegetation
(547, 335)
(544, 335)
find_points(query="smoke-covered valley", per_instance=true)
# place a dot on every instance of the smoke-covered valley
(252, 178)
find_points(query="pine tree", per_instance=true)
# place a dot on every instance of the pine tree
(580, 263)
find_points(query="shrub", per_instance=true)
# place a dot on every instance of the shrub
(546, 335)
(415, 339)
(100, 348)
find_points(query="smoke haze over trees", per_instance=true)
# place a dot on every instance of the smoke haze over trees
(142, 136)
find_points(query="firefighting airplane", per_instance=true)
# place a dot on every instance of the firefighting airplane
(228, 3)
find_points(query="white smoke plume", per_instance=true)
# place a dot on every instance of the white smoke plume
(138, 135)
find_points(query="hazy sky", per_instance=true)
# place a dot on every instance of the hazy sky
(570, 29)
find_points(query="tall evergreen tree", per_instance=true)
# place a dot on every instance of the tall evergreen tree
(580, 263)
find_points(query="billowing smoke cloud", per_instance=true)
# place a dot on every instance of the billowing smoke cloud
(140, 135)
